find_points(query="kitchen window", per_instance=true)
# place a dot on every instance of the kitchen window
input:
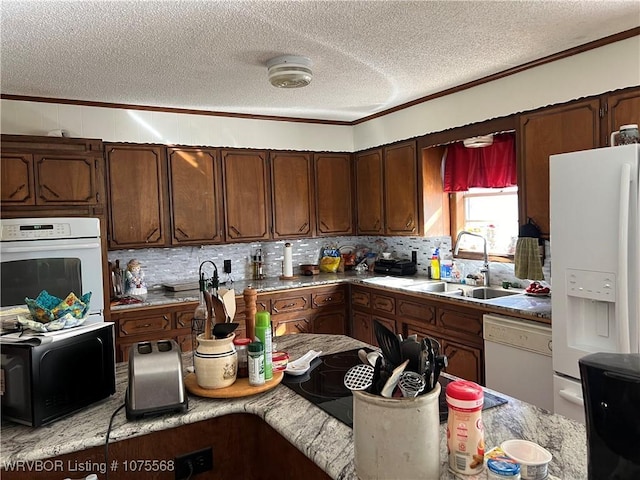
(481, 179)
(490, 212)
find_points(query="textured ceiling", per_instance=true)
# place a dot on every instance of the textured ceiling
(368, 56)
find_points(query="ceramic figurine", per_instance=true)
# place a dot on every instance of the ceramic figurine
(135, 284)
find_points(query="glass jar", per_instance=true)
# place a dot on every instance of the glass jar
(242, 345)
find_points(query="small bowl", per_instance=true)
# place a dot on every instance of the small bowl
(386, 255)
(533, 459)
(279, 361)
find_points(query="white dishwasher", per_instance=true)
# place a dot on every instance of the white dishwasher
(517, 359)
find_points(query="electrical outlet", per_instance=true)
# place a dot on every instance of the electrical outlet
(191, 464)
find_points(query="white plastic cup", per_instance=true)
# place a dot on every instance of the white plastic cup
(396, 438)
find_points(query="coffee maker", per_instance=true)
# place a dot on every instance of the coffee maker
(611, 390)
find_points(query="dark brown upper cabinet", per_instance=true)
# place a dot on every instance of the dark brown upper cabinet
(369, 188)
(246, 195)
(334, 200)
(292, 195)
(195, 195)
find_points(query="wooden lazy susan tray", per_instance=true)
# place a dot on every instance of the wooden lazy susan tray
(240, 388)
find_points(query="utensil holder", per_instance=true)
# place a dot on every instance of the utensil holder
(396, 437)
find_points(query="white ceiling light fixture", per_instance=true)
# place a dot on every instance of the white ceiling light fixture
(289, 71)
(478, 142)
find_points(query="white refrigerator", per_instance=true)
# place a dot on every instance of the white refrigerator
(595, 262)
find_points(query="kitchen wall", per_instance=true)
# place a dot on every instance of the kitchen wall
(181, 264)
(593, 72)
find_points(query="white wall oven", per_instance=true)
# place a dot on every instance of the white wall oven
(59, 255)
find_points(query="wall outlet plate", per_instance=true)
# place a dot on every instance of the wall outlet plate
(191, 464)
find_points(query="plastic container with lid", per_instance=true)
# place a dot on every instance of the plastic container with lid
(241, 345)
(499, 469)
(465, 431)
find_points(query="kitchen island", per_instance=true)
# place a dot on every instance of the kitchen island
(326, 441)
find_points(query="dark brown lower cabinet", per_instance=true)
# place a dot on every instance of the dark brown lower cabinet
(244, 446)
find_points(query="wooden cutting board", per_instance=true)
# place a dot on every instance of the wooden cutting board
(240, 388)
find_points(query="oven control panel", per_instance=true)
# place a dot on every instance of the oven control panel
(41, 231)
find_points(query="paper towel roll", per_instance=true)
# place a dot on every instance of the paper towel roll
(287, 265)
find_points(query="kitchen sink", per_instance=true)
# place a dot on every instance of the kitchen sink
(394, 281)
(437, 287)
(487, 293)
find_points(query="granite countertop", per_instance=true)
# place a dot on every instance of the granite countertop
(322, 438)
(534, 307)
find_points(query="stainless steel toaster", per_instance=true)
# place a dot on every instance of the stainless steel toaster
(156, 383)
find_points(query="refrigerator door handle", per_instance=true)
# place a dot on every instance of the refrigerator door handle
(571, 396)
(622, 309)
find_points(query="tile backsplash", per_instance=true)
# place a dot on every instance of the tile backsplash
(181, 264)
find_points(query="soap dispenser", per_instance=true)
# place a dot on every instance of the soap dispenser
(435, 264)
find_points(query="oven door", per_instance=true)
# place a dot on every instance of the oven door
(57, 266)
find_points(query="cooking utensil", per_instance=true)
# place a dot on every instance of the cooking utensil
(359, 377)
(302, 364)
(229, 300)
(392, 382)
(376, 385)
(220, 315)
(223, 330)
(411, 383)
(411, 351)
(389, 344)
(362, 355)
(207, 322)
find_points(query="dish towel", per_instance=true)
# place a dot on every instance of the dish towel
(527, 259)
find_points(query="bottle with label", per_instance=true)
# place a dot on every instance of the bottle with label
(465, 431)
(200, 315)
(241, 345)
(435, 264)
(263, 333)
(255, 359)
(446, 265)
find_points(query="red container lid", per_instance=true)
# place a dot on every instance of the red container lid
(241, 341)
(464, 394)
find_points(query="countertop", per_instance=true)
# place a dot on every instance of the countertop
(325, 440)
(534, 307)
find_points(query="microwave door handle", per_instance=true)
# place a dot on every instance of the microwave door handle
(35, 248)
(622, 308)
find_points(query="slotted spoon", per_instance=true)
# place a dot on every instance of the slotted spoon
(389, 344)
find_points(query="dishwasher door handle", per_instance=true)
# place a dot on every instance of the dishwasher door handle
(571, 396)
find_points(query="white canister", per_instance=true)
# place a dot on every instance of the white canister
(396, 438)
(215, 362)
(627, 135)
(465, 431)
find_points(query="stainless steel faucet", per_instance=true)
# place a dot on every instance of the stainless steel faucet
(484, 270)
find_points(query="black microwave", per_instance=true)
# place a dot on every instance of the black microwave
(45, 381)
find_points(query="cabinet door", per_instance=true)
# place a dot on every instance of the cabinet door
(246, 194)
(464, 361)
(369, 193)
(362, 328)
(401, 189)
(330, 322)
(334, 210)
(135, 178)
(622, 109)
(195, 193)
(65, 180)
(568, 128)
(292, 195)
(17, 187)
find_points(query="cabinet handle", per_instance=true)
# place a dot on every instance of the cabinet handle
(289, 305)
(452, 353)
(237, 232)
(324, 225)
(50, 191)
(146, 325)
(376, 225)
(18, 190)
(328, 299)
(181, 232)
(409, 221)
(151, 234)
(303, 227)
(302, 330)
(165, 317)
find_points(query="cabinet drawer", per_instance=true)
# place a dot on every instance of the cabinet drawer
(460, 321)
(360, 298)
(383, 303)
(290, 304)
(138, 326)
(291, 324)
(325, 299)
(417, 310)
